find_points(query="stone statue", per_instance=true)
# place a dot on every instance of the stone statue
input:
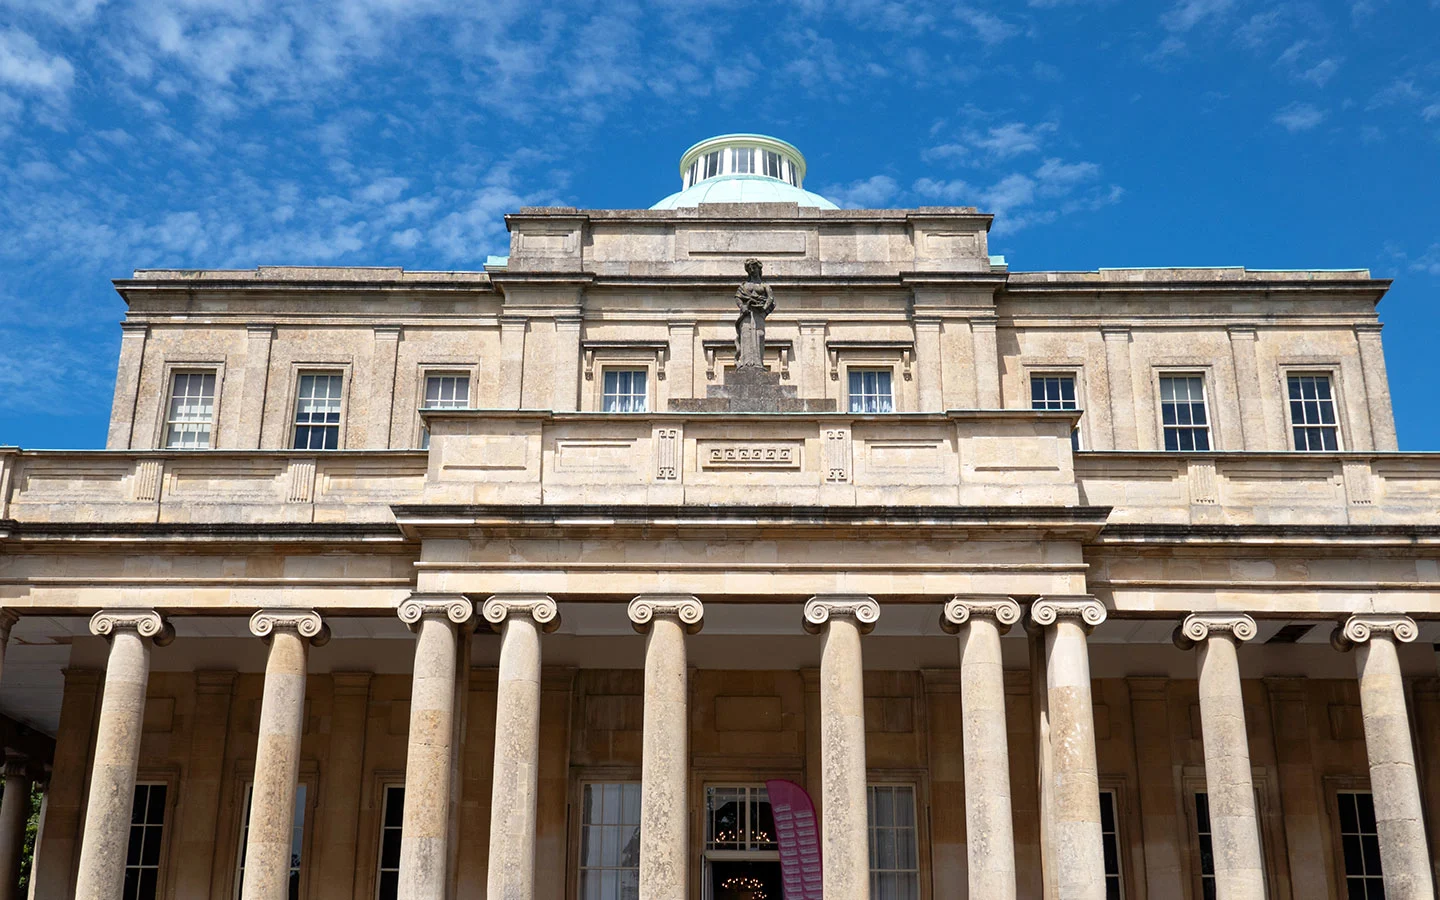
(756, 301)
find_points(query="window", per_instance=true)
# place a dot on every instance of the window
(317, 411)
(147, 830)
(870, 391)
(1312, 413)
(894, 853)
(1055, 392)
(1182, 412)
(690, 175)
(610, 842)
(297, 839)
(1110, 841)
(392, 816)
(744, 160)
(624, 391)
(772, 163)
(1207, 847)
(1361, 844)
(190, 417)
(742, 858)
(712, 164)
(444, 392)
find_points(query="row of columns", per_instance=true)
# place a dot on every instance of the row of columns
(442, 623)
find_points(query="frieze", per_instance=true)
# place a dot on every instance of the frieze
(750, 455)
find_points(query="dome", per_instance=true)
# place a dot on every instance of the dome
(742, 168)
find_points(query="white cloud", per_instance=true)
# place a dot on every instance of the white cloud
(1186, 14)
(26, 66)
(1299, 117)
(1431, 112)
(945, 152)
(1428, 262)
(1013, 138)
(874, 192)
(991, 29)
(1022, 199)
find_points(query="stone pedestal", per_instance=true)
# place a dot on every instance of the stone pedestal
(844, 822)
(751, 389)
(1076, 863)
(117, 748)
(989, 827)
(430, 755)
(665, 758)
(1399, 816)
(520, 618)
(277, 755)
(1234, 826)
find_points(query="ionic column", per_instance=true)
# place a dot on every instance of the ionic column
(1077, 862)
(430, 753)
(989, 828)
(117, 747)
(1235, 829)
(665, 759)
(14, 811)
(290, 632)
(844, 831)
(1399, 819)
(520, 619)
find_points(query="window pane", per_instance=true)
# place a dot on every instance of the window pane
(610, 841)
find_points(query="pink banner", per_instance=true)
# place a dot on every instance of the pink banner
(799, 839)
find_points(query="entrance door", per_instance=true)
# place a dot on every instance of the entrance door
(742, 858)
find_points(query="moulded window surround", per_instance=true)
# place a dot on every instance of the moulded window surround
(1184, 412)
(609, 866)
(871, 390)
(145, 853)
(894, 842)
(190, 409)
(297, 840)
(319, 402)
(1056, 390)
(1313, 411)
(443, 390)
(392, 816)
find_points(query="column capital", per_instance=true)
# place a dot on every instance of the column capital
(539, 607)
(306, 622)
(860, 607)
(456, 607)
(1049, 610)
(146, 622)
(1360, 627)
(688, 609)
(1198, 627)
(961, 609)
(8, 618)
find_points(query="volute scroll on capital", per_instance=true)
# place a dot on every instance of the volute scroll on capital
(688, 609)
(861, 607)
(960, 610)
(146, 622)
(1049, 610)
(539, 607)
(304, 622)
(1361, 627)
(456, 607)
(1198, 627)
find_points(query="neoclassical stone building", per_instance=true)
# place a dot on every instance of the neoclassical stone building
(1103, 584)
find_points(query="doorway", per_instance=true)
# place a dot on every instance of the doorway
(742, 858)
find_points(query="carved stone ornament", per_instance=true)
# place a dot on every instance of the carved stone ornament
(1048, 610)
(1198, 627)
(455, 607)
(146, 622)
(537, 606)
(644, 608)
(959, 610)
(820, 608)
(305, 622)
(1360, 627)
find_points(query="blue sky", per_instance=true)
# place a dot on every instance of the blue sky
(232, 133)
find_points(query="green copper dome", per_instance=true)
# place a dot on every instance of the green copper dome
(742, 168)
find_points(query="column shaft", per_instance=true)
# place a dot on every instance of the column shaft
(1077, 861)
(14, 811)
(1399, 816)
(117, 752)
(514, 787)
(277, 766)
(1235, 832)
(664, 815)
(989, 825)
(425, 834)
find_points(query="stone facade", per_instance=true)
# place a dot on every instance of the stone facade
(1008, 651)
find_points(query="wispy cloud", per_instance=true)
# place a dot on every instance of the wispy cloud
(1299, 117)
(874, 192)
